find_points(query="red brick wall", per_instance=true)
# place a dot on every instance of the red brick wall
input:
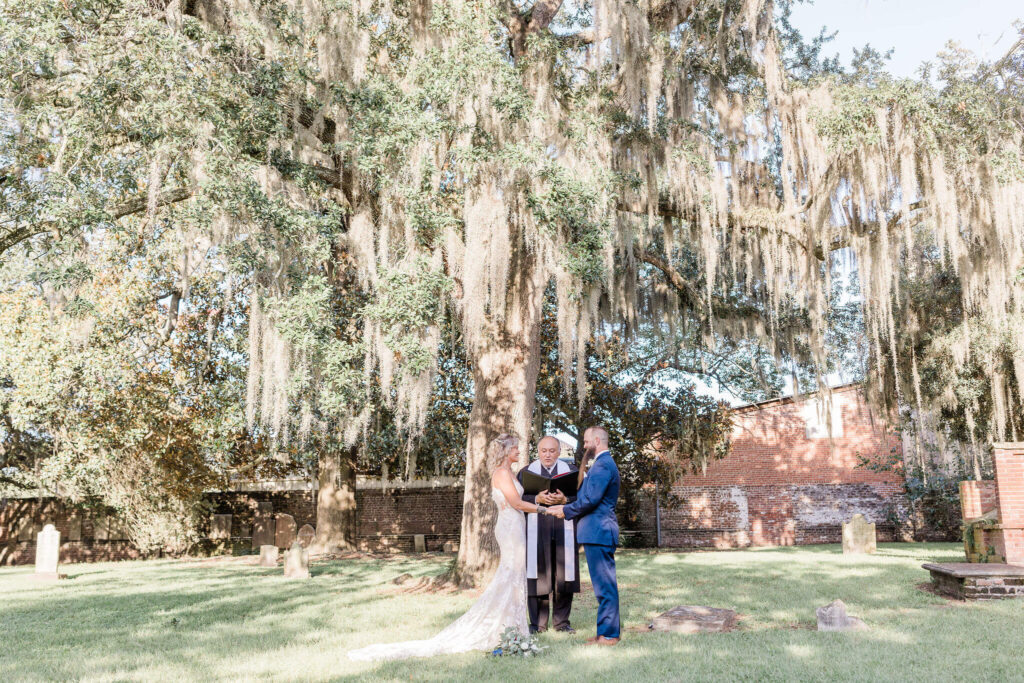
(1009, 466)
(386, 520)
(779, 487)
(977, 498)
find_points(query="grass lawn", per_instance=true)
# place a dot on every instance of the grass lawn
(229, 619)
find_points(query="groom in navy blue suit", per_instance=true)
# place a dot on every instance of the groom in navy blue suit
(597, 530)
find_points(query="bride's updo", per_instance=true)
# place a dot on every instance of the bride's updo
(497, 448)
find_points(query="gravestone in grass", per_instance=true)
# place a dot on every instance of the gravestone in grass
(858, 536)
(296, 562)
(285, 532)
(695, 619)
(47, 552)
(75, 527)
(833, 617)
(263, 532)
(306, 535)
(419, 543)
(268, 555)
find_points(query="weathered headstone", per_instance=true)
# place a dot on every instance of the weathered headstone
(833, 617)
(284, 533)
(263, 531)
(244, 530)
(306, 535)
(695, 619)
(220, 527)
(858, 536)
(451, 547)
(268, 555)
(265, 508)
(75, 527)
(419, 542)
(296, 562)
(47, 552)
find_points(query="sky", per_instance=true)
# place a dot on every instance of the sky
(916, 29)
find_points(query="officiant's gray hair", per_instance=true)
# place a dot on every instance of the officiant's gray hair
(497, 448)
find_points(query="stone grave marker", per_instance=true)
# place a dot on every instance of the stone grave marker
(858, 536)
(419, 542)
(263, 531)
(268, 555)
(47, 552)
(296, 562)
(220, 527)
(833, 617)
(284, 534)
(265, 508)
(451, 547)
(306, 535)
(695, 619)
(75, 527)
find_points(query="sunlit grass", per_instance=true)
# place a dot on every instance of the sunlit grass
(176, 620)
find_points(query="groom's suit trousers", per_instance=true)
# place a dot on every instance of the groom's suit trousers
(601, 562)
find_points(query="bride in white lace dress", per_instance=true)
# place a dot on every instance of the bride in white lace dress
(503, 602)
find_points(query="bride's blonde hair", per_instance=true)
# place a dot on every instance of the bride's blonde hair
(497, 448)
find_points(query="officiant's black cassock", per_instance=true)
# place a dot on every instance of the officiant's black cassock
(550, 585)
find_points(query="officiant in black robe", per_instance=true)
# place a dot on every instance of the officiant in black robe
(552, 554)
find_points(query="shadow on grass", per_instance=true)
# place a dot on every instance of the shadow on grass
(165, 619)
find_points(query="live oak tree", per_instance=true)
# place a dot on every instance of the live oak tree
(455, 157)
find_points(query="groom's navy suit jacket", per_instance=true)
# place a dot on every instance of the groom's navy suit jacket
(595, 504)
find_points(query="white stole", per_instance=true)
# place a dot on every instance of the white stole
(567, 529)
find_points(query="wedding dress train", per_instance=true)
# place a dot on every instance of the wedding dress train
(502, 604)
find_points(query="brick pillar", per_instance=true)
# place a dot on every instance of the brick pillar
(976, 498)
(1009, 464)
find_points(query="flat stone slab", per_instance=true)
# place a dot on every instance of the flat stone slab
(974, 581)
(695, 619)
(983, 570)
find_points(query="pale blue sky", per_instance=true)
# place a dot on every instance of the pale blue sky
(917, 29)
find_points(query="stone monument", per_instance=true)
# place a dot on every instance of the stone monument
(263, 532)
(75, 527)
(695, 619)
(268, 555)
(47, 553)
(833, 617)
(419, 542)
(858, 536)
(296, 562)
(284, 534)
(306, 536)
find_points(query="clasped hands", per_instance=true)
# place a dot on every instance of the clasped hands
(551, 498)
(556, 511)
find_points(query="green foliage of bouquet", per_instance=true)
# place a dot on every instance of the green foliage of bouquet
(513, 642)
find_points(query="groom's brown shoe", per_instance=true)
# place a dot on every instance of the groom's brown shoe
(608, 642)
(593, 641)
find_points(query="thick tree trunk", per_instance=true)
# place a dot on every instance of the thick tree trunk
(505, 365)
(336, 500)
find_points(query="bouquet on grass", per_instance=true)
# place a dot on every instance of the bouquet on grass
(514, 642)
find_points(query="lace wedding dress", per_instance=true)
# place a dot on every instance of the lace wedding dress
(502, 604)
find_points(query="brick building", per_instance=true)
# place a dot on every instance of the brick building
(785, 482)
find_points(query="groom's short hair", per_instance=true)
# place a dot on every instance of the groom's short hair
(599, 429)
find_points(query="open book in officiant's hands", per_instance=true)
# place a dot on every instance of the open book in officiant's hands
(534, 483)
